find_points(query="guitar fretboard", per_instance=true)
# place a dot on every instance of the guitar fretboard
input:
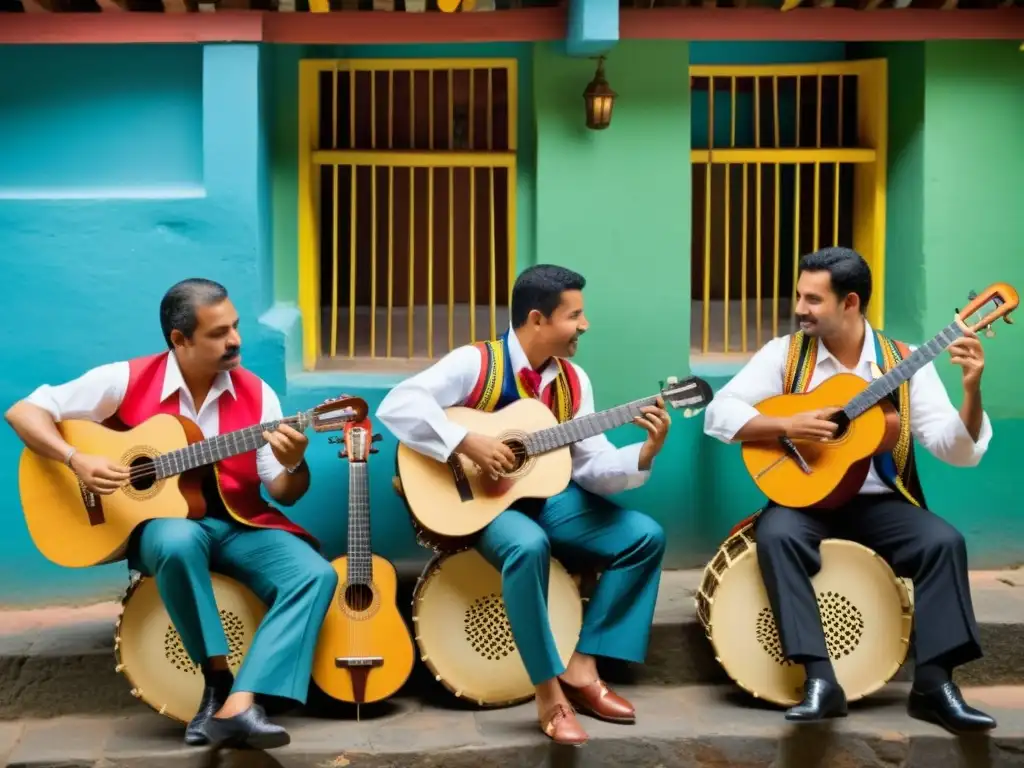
(217, 448)
(575, 430)
(360, 561)
(885, 385)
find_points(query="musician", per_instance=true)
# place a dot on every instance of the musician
(889, 514)
(241, 536)
(547, 321)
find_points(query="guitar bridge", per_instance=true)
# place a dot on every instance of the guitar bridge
(346, 662)
(93, 505)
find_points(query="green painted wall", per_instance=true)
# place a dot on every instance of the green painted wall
(615, 205)
(956, 161)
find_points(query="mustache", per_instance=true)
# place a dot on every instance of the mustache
(231, 353)
(804, 319)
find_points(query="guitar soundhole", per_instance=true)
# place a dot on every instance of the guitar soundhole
(359, 597)
(842, 422)
(143, 473)
(518, 450)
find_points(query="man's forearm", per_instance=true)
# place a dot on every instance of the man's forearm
(760, 428)
(37, 430)
(971, 412)
(287, 488)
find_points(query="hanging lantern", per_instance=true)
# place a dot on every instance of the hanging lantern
(599, 99)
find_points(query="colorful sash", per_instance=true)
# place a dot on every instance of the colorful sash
(498, 384)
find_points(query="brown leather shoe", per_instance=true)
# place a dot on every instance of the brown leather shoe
(599, 701)
(562, 727)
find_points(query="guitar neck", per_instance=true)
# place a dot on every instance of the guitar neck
(220, 447)
(575, 430)
(885, 385)
(360, 559)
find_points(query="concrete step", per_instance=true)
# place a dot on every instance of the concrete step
(677, 727)
(60, 661)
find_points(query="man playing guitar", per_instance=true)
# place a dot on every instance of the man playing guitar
(546, 322)
(888, 515)
(248, 540)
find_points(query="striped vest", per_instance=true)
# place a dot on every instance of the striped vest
(498, 384)
(897, 469)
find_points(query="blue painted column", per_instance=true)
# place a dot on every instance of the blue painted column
(593, 27)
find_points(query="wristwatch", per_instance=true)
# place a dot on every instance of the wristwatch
(293, 470)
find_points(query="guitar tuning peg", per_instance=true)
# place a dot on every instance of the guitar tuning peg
(377, 438)
(374, 450)
(1007, 319)
(989, 333)
(342, 454)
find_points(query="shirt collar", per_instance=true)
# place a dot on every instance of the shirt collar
(519, 360)
(867, 351)
(174, 382)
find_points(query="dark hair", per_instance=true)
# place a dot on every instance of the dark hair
(847, 269)
(540, 287)
(178, 306)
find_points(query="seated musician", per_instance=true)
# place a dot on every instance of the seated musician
(251, 542)
(888, 515)
(546, 322)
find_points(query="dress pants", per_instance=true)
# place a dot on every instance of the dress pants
(285, 572)
(917, 544)
(577, 526)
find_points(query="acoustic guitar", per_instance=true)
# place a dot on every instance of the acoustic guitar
(168, 458)
(364, 652)
(827, 474)
(455, 499)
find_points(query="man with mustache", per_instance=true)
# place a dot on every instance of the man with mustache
(200, 377)
(889, 514)
(531, 360)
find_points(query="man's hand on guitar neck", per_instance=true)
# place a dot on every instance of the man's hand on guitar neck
(488, 453)
(98, 474)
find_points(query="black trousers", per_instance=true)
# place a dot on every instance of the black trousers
(917, 544)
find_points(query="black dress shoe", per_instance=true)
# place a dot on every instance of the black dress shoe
(945, 706)
(213, 700)
(250, 728)
(822, 700)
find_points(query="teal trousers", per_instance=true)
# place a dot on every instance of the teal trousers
(286, 573)
(577, 527)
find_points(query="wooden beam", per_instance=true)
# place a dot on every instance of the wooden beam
(524, 24)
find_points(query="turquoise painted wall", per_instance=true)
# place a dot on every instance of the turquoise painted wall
(182, 162)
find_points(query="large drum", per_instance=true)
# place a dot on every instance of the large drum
(463, 633)
(866, 613)
(150, 654)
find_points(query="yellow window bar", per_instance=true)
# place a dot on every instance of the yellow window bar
(407, 180)
(814, 150)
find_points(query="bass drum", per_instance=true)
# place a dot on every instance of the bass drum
(149, 652)
(866, 613)
(463, 633)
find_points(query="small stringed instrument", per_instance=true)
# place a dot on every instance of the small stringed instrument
(169, 460)
(827, 474)
(364, 652)
(455, 499)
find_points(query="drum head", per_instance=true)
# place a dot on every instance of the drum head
(151, 655)
(464, 636)
(865, 613)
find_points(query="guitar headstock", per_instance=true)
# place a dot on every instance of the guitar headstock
(359, 439)
(691, 394)
(333, 414)
(998, 300)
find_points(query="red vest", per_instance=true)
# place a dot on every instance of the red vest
(237, 479)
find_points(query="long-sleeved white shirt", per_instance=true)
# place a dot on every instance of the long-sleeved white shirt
(934, 422)
(414, 412)
(97, 394)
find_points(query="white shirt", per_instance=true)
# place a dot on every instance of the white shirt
(414, 412)
(934, 422)
(97, 394)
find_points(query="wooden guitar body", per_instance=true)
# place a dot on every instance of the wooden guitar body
(432, 488)
(839, 465)
(364, 652)
(73, 534)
